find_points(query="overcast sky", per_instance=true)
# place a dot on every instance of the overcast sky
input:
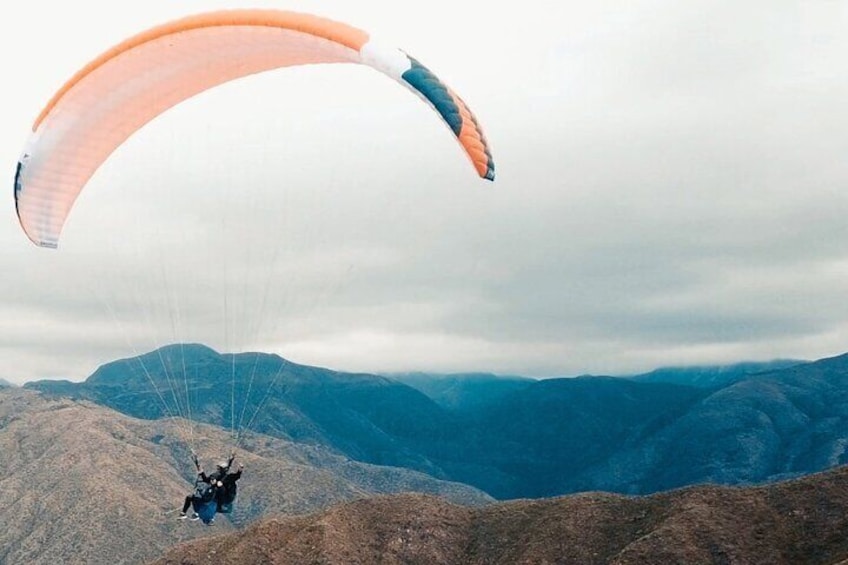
(671, 190)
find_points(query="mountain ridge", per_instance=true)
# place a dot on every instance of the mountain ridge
(794, 522)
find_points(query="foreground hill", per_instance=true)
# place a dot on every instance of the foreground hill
(84, 484)
(797, 522)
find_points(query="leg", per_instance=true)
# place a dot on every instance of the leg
(186, 504)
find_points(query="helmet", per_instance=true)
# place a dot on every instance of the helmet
(222, 465)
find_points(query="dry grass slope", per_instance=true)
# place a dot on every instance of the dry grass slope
(797, 522)
(82, 484)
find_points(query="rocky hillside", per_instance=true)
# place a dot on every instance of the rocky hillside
(84, 484)
(797, 522)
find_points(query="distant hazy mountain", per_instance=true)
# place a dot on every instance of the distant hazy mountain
(542, 438)
(465, 390)
(83, 484)
(713, 375)
(5, 384)
(793, 523)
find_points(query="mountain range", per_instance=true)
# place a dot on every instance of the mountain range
(510, 437)
(83, 484)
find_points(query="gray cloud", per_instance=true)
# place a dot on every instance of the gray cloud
(670, 190)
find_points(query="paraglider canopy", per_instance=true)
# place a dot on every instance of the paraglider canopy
(138, 79)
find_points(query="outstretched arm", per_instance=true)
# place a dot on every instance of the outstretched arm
(200, 474)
